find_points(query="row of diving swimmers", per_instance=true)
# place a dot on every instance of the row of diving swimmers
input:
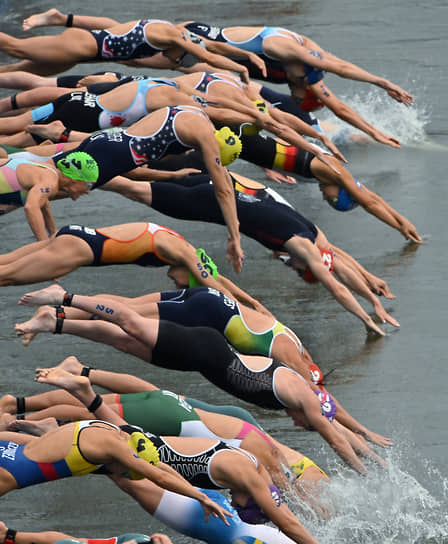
(96, 446)
(263, 381)
(190, 128)
(271, 53)
(225, 465)
(75, 110)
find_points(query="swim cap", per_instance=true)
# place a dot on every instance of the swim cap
(343, 202)
(310, 102)
(328, 260)
(313, 74)
(252, 513)
(230, 145)
(327, 404)
(317, 376)
(207, 264)
(251, 128)
(79, 165)
(145, 449)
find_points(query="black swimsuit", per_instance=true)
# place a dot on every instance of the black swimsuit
(205, 350)
(269, 222)
(130, 151)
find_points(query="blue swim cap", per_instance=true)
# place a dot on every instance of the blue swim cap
(343, 202)
(313, 74)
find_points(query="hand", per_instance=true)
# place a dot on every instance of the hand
(410, 232)
(398, 94)
(325, 159)
(259, 63)
(260, 308)
(371, 326)
(278, 177)
(379, 287)
(377, 439)
(244, 75)
(384, 316)
(235, 254)
(158, 538)
(184, 172)
(331, 147)
(210, 507)
(385, 139)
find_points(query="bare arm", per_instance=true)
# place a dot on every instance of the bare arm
(228, 50)
(308, 252)
(43, 186)
(348, 114)
(226, 198)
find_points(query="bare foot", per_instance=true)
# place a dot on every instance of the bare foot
(52, 131)
(52, 17)
(72, 365)
(5, 420)
(36, 428)
(63, 379)
(28, 337)
(8, 404)
(50, 295)
(45, 321)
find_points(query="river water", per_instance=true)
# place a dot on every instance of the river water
(396, 385)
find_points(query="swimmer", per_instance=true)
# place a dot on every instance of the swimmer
(80, 448)
(144, 244)
(31, 185)
(141, 40)
(291, 58)
(204, 350)
(339, 188)
(11, 536)
(204, 462)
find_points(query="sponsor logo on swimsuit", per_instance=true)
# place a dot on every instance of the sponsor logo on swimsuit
(115, 135)
(10, 451)
(89, 100)
(117, 120)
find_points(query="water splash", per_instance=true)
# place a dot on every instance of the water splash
(376, 107)
(390, 506)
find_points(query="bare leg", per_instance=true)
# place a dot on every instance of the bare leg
(21, 139)
(98, 331)
(113, 381)
(39, 96)
(44, 537)
(72, 46)
(54, 17)
(145, 330)
(79, 387)
(24, 81)
(11, 125)
(55, 258)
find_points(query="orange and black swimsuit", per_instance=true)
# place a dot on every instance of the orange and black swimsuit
(107, 250)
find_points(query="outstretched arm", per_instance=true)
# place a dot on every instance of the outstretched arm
(307, 252)
(369, 200)
(348, 114)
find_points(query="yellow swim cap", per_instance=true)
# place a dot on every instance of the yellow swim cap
(251, 129)
(230, 145)
(145, 449)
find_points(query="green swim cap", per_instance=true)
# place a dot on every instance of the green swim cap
(79, 165)
(208, 265)
(230, 145)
